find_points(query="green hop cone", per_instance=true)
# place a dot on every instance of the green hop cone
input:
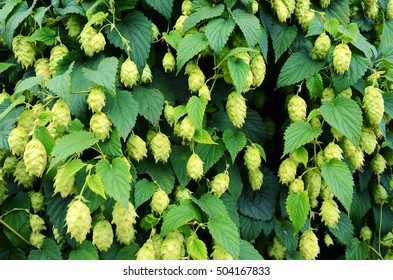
(324, 3)
(281, 10)
(297, 109)
(129, 74)
(330, 213)
(186, 7)
(24, 50)
(169, 114)
(255, 177)
(9, 164)
(190, 67)
(313, 183)
(35, 157)
(146, 76)
(291, 5)
(366, 233)
(159, 201)
(346, 93)
(41, 68)
(101, 125)
(296, 186)
(103, 235)
(37, 200)
(17, 140)
(389, 10)
(328, 240)
(37, 239)
(287, 171)
(321, 46)
(168, 62)
(371, 7)
(171, 249)
(195, 167)
(136, 147)
(157, 242)
(373, 105)
(61, 114)
(37, 223)
(146, 252)
(219, 253)
(63, 183)
(22, 176)
(160, 147)
(368, 141)
(301, 7)
(124, 219)
(236, 108)
(277, 249)
(220, 183)
(78, 220)
(185, 129)
(180, 23)
(204, 92)
(333, 151)
(74, 25)
(196, 80)
(254, 7)
(99, 42)
(155, 31)
(378, 164)
(308, 245)
(341, 58)
(258, 69)
(56, 54)
(86, 40)
(182, 193)
(96, 99)
(252, 158)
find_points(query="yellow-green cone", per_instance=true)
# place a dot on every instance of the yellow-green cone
(236, 108)
(308, 245)
(103, 235)
(160, 147)
(78, 220)
(35, 157)
(341, 58)
(195, 167)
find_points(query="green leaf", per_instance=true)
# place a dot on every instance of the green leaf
(27, 84)
(316, 26)
(95, 184)
(85, 251)
(202, 136)
(234, 141)
(151, 103)
(218, 31)
(104, 75)
(387, 35)
(45, 35)
(299, 134)
(72, 144)
(122, 111)
(196, 107)
(282, 37)
(173, 38)
(344, 115)
(136, 29)
(197, 249)
(189, 46)
(339, 178)
(254, 128)
(61, 84)
(112, 146)
(123, 5)
(42, 134)
(70, 7)
(19, 221)
(8, 117)
(331, 26)
(344, 229)
(127, 252)
(238, 70)
(205, 12)
(39, 15)
(4, 66)
(210, 154)
(250, 228)
(298, 66)
(161, 173)
(49, 251)
(95, 18)
(340, 10)
(179, 157)
(71, 168)
(248, 252)
(163, 7)
(176, 217)
(116, 179)
(361, 204)
(180, 111)
(297, 205)
(144, 190)
(225, 233)
(314, 85)
(211, 205)
(349, 33)
(286, 234)
(388, 102)
(357, 250)
(301, 154)
(249, 25)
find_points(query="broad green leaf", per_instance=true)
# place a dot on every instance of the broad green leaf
(196, 107)
(39, 14)
(344, 115)
(254, 128)
(95, 184)
(286, 233)
(72, 144)
(361, 204)
(151, 103)
(357, 250)
(112, 146)
(282, 36)
(331, 26)
(95, 18)
(388, 103)
(298, 206)
(205, 12)
(45, 35)
(71, 168)
(144, 190)
(149, 221)
(218, 31)
(349, 33)
(314, 85)
(19, 221)
(5, 10)
(235, 184)
(209, 154)
(344, 230)
(122, 111)
(135, 28)
(176, 217)
(69, 7)
(123, 5)
(28, 83)
(9, 112)
(180, 111)
(163, 7)
(234, 141)
(301, 154)
(339, 179)
(42, 134)
(248, 252)
(238, 70)
(202, 136)
(362, 44)
(179, 157)
(116, 179)
(211, 205)
(190, 46)
(299, 134)
(197, 249)
(249, 25)
(104, 75)
(173, 38)
(128, 252)
(161, 173)
(85, 251)
(10, 252)
(316, 26)
(339, 9)
(387, 35)
(4, 66)
(225, 233)
(49, 251)
(61, 84)
(250, 228)
(298, 66)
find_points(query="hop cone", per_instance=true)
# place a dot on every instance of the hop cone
(146, 252)
(63, 184)
(124, 219)
(220, 183)
(37, 201)
(103, 235)
(17, 140)
(277, 250)
(78, 220)
(308, 245)
(41, 68)
(56, 54)
(287, 171)
(185, 129)
(330, 213)
(61, 114)
(22, 176)
(255, 177)
(196, 79)
(341, 58)
(195, 167)
(74, 25)
(96, 99)
(219, 253)
(159, 201)
(136, 147)
(236, 108)
(168, 62)
(35, 157)
(296, 186)
(24, 50)
(101, 125)
(160, 147)
(373, 104)
(297, 109)
(258, 69)
(129, 74)
(321, 46)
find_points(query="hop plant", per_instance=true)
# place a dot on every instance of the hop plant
(86, 39)
(155, 32)
(17, 140)
(24, 50)
(9, 164)
(255, 177)
(22, 176)
(146, 76)
(277, 249)
(308, 245)
(96, 99)
(330, 213)
(35, 157)
(103, 235)
(287, 171)
(169, 114)
(378, 164)
(196, 80)
(321, 46)
(333, 151)
(204, 92)
(157, 242)
(146, 252)
(297, 109)
(328, 240)
(124, 219)
(296, 186)
(346, 93)
(341, 58)
(37, 201)
(180, 23)
(41, 68)
(101, 125)
(281, 10)
(258, 69)
(61, 114)
(37, 223)
(371, 7)
(368, 140)
(236, 108)
(136, 147)
(98, 42)
(313, 182)
(56, 54)
(129, 74)
(185, 129)
(37, 239)
(373, 104)
(186, 7)
(195, 167)
(182, 193)
(160, 147)
(219, 253)
(168, 62)
(74, 25)
(389, 10)
(366, 233)
(220, 183)
(159, 201)
(252, 158)
(78, 220)
(63, 183)
(380, 195)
